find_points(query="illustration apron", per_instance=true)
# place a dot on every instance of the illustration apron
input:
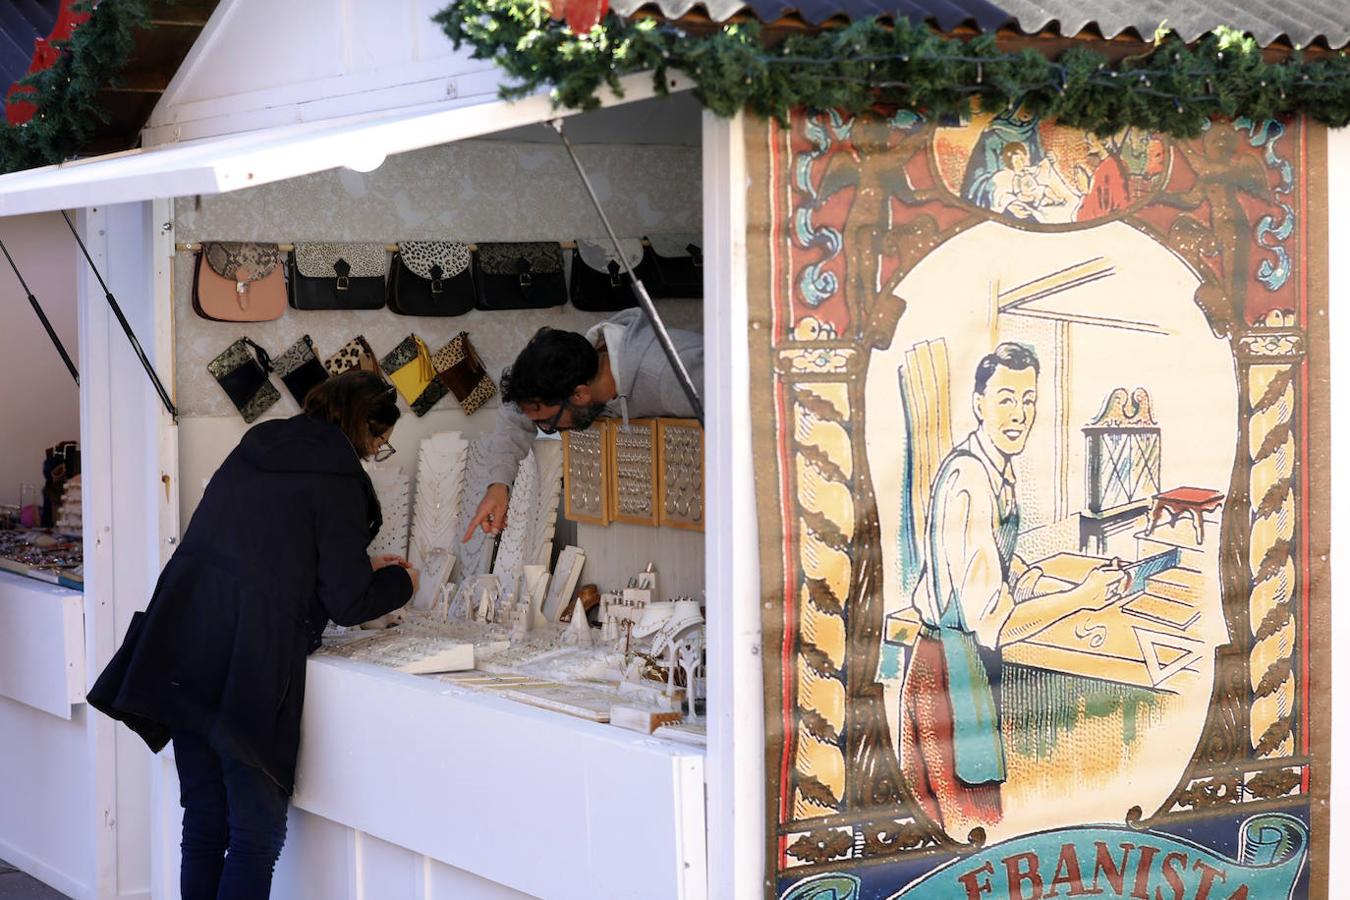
(977, 739)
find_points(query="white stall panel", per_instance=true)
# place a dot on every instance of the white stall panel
(41, 644)
(539, 802)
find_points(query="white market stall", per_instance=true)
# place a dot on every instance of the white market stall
(406, 785)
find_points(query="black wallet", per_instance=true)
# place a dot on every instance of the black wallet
(299, 369)
(242, 371)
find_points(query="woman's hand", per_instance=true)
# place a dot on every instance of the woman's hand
(416, 579)
(491, 512)
(389, 559)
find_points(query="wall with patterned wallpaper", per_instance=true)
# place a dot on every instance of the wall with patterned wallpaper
(474, 191)
(484, 190)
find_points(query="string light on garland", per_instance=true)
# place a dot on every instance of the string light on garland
(1173, 87)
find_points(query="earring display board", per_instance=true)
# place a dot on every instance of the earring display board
(586, 475)
(680, 478)
(632, 483)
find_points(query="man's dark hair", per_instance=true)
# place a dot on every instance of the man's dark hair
(1009, 356)
(552, 365)
(361, 403)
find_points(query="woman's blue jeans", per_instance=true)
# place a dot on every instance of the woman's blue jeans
(234, 823)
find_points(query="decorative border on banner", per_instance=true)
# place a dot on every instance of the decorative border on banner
(831, 772)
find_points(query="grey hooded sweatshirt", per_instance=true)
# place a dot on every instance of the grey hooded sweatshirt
(646, 383)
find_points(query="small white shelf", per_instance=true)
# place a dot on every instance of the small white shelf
(41, 644)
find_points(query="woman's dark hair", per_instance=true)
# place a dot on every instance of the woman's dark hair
(361, 403)
(552, 365)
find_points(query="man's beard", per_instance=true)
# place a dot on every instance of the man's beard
(583, 416)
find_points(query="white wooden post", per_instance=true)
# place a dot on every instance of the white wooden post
(735, 762)
(1338, 240)
(122, 431)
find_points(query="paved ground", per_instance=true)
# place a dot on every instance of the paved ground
(15, 885)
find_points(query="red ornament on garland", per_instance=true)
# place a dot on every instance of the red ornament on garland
(18, 110)
(580, 15)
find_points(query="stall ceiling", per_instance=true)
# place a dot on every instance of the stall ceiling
(1301, 22)
(157, 52)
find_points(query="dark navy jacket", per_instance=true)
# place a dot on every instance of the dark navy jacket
(275, 549)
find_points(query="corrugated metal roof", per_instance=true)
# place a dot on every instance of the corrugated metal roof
(1301, 21)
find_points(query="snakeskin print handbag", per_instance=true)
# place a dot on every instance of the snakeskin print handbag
(519, 276)
(235, 281)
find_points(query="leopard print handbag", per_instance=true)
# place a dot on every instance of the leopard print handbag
(336, 276)
(431, 278)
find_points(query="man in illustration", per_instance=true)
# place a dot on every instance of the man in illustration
(974, 596)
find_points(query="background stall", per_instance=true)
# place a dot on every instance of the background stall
(445, 824)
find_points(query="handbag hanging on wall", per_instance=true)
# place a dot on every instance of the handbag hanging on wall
(519, 276)
(599, 281)
(355, 354)
(236, 281)
(410, 369)
(242, 371)
(463, 374)
(672, 266)
(299, 369)
(337, 276)
(431, 278)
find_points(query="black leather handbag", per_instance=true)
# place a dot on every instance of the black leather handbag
(336, 276)
(672, 266)
(519, 276)
(431, 278)
(599, 281)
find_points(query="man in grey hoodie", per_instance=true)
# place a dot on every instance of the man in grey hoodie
(563, 380)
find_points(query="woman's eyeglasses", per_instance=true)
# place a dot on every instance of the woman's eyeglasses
(384, 451)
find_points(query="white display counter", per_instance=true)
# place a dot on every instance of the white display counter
(43, 717)
(411, 787)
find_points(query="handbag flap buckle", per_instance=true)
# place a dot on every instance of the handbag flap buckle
(696, 254)
(614, 279)
(436, 273)
(523, 268)
(342, 268)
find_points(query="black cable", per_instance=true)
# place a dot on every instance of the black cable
(126, 326)
(639, 289)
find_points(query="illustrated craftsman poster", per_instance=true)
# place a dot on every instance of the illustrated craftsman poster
(1041, 441)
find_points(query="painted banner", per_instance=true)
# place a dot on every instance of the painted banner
(1040, 424)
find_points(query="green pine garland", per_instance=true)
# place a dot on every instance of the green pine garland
(65, 93)
(1173, 88)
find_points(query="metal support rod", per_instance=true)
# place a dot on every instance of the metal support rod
(42, 317)
(639, 289)
(126, 326)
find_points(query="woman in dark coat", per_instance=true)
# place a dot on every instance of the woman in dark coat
(216, 663)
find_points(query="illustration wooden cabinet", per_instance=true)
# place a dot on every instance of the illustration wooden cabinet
(649, 472)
